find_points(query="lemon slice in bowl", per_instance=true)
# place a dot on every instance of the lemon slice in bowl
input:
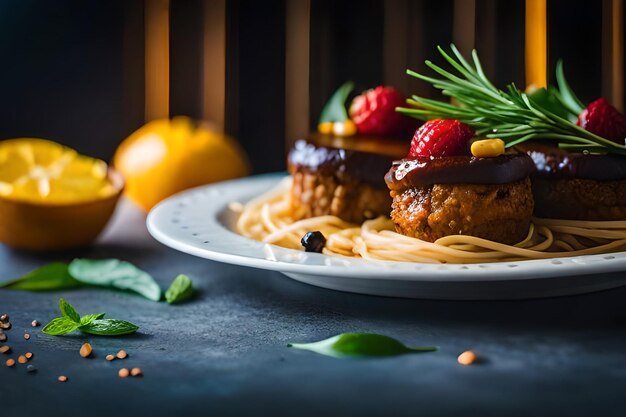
(51, 197)
(37, 170)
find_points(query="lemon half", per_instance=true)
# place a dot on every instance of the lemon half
(51, 197)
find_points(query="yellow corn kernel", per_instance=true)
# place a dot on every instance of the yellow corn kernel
(488, 148)
(325, 128)
(345, 128)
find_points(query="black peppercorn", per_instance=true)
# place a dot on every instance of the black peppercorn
(313, 242)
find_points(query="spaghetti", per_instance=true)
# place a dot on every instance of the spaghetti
(267, 218)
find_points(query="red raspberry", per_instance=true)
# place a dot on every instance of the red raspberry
(374, 113)
(604, 120)
(441, 138)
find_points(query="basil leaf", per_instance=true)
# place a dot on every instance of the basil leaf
(60, 326)
(54, 276)
(335, 108)
(547, 99)
(360, 344)
(567, 96)
(109, 327)
(180, 289)
(68, 311)
(117, 274)
(84, 320)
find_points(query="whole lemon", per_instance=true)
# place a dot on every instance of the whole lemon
(166, 156)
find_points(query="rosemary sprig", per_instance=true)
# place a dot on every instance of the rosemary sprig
(512, 115)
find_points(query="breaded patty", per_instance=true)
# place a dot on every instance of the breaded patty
(498, 212)
(316, 194)
(580, 199)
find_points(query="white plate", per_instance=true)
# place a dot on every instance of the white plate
(199, 222)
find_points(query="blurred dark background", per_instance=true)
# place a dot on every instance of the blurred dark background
(76, 71)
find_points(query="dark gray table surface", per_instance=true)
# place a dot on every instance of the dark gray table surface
(224, 353)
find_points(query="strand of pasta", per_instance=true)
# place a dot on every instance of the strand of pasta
(267, 218)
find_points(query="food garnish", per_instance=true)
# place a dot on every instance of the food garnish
(117, 274)
(334, 118)
(441, 138)
(92, 323)
(487, 148)
(180, 290)
(467, 358)
(313, 242)
(374, 113)
(510, 115)
(360, 345)
(112, 273)
(85, 350)
(604, 120)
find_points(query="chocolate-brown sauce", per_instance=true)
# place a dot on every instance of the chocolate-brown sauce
(350, 159)
(426, 171)
(555, 163)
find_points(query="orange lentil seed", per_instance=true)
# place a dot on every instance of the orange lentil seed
(121, 354)
(123, 373)
(467, 358)
(22, 359)
(5, 349)
(109, 357)
(85, 350)
(62, 378)
(10, 362)
(136, 372)
(28, 355)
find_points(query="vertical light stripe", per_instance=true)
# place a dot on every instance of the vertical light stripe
(536, 43)
(396, 44)
(157, 63)
(214, 62)
(486, 35)
(464, 24)
(617, 54)
(298, 16)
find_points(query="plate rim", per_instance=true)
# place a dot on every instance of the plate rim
(357, 268)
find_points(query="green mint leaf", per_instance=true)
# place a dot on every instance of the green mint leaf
(84, 320)
(54, 276)
(359, 345)
(180, 289)
(117, 274)
(68, 311)
(335, 108)
(60, 326)
(109, 327)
